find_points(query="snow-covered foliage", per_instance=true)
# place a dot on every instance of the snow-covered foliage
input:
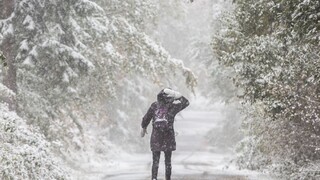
(83, 64)
(273, 48)
(25, 154)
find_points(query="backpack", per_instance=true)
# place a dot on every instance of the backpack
(160, 119)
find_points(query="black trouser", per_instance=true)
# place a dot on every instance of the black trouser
(155, 164)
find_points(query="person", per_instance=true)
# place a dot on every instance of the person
(162, 113)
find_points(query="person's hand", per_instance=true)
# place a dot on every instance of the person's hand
(172, 93)
(143, 132)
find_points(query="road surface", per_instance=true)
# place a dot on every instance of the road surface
(193, 159)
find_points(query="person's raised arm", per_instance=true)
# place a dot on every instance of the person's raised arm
(180, 102)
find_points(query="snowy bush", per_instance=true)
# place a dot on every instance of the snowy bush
(25, 154)
(273, 50)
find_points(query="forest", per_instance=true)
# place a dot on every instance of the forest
(77, 76)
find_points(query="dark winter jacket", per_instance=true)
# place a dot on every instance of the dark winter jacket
(164, 140)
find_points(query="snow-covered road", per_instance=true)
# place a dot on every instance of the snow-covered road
(193, 159)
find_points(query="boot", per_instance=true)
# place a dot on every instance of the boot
(168, 171)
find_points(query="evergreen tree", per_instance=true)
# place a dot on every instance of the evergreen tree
(75, 62)
(25, 154)
(273, 49)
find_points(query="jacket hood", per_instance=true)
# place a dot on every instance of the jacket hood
(163, 98)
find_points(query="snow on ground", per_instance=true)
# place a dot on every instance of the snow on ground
(193, 159)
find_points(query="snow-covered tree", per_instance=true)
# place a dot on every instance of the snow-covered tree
(75, 62)
(273, 49)
(25, 153)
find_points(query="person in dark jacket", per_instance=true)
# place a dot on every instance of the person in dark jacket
(162, 113)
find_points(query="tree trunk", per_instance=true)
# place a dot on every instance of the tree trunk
(6, 7)
(7, 47)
